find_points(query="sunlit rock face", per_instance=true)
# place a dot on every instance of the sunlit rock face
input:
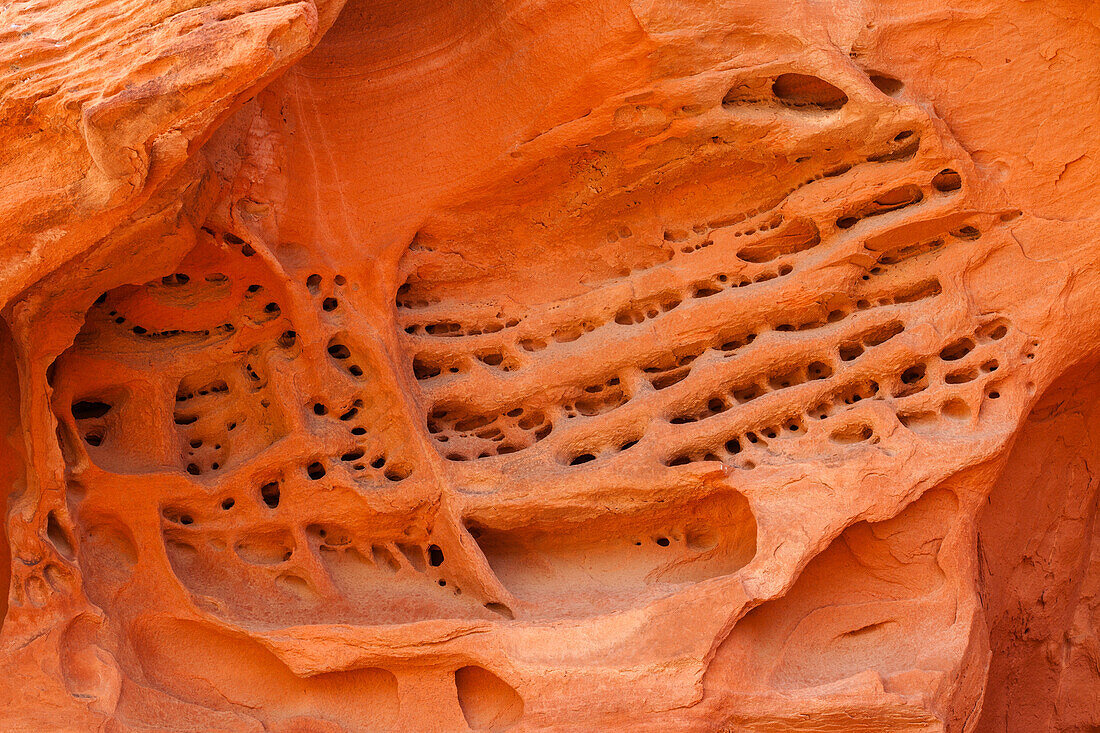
(446, 366)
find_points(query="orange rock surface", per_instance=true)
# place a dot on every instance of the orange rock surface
(564, 365)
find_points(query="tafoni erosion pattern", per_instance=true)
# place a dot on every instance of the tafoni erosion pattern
(550, 366)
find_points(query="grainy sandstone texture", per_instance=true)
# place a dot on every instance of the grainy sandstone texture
(435, 365)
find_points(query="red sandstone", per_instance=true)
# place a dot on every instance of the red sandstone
(625, 365)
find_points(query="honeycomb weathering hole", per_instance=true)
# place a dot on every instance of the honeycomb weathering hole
(806, 90)
(487, 701)
(240, 674)
(835, 619)
(615, 561)
(886, 84)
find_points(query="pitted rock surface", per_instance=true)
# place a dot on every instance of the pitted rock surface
(550, 366)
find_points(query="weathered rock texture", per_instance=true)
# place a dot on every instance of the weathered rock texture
(556, 365)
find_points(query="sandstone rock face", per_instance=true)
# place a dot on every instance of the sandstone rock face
(459, 365)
